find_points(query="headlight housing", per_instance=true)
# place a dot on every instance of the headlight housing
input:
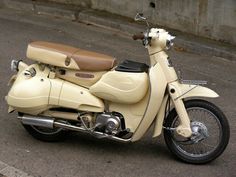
(169, 41)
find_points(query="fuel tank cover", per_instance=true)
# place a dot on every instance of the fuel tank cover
(121, 87)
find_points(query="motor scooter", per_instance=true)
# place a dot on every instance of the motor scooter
(71, 89)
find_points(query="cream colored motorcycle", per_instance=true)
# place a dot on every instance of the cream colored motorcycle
(73, 89)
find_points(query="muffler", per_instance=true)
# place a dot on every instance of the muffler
(37, 121)
(48, 122)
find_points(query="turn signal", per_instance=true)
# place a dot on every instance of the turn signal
(15, 64)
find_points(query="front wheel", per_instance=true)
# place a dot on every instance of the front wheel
(210, 133)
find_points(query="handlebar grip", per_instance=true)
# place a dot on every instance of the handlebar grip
(138, 36)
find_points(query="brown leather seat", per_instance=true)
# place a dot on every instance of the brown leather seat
(86, 60)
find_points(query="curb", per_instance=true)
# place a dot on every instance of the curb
(42, 8)
(9, 171)
(183, 41)
(124, 25)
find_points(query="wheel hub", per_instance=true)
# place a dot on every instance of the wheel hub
(199, 131)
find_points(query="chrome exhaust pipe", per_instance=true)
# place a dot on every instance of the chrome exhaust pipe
(94, 133)
(52, 123)
(37, 121)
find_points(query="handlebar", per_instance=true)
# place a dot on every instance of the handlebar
(138, 36)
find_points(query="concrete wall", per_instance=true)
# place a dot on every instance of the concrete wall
(1, 3)
(213, 19)
(84, 3)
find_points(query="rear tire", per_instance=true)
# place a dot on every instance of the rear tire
(200, 148)
(46, 134)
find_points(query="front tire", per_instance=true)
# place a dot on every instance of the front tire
(210, 133)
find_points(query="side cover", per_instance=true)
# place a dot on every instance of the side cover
(36, 94)
(73, 96)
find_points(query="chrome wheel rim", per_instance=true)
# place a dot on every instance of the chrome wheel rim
(207, 133)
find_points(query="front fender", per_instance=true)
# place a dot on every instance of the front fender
(196, 91)
(186, 91)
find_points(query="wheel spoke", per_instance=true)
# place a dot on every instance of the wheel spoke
(200, 118)
(194, 148)
(210, 131)
(208, 145)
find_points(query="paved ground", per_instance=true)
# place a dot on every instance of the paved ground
(81, 155)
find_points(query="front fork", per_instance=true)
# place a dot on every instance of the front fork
(175, 93)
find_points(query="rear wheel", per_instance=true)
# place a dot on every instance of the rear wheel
(210, 133)
(46, 134)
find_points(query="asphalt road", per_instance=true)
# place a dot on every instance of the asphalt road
(81, 155)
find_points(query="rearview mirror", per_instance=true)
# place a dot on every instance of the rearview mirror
(139, 17)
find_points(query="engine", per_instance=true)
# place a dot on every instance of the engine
(110, 122)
